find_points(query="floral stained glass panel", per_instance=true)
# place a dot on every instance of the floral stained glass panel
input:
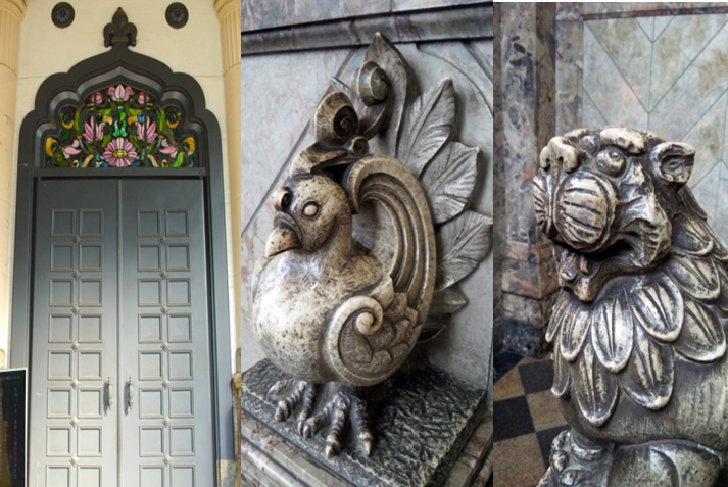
(120, 127)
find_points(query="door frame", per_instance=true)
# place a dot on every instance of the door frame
(122, 65)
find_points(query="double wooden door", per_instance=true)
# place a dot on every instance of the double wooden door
(120, 360)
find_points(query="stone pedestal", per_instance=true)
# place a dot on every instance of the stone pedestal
(424, 429)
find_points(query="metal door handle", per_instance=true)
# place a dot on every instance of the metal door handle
(131, 396)
(109, 393)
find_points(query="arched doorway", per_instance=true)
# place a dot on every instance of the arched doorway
(120, 293)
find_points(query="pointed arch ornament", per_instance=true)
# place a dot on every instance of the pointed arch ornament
(172, 124)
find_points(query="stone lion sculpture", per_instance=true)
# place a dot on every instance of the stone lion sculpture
(638, 329)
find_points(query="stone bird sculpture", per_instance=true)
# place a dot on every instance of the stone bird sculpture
(344, 291)
(639, 327)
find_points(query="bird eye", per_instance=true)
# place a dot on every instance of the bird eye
(310, 209)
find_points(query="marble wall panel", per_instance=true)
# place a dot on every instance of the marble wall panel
(606, 86)
(257, 15)
(279, 129)
(684, 60)
(633, 8)
(568, 70)
(471, 20)
(269, 14)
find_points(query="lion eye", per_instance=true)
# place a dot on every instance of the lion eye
(310, 209)
(610, 163)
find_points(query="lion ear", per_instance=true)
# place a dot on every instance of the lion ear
(674, 162)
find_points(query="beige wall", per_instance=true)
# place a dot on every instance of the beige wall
(196, 50)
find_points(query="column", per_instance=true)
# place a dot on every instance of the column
(528, 279)
(228, 12)
(11, 13)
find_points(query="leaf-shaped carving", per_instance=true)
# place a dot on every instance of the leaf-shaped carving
(596, 388)
(427, 126)
(574, 328)
(461, 245)
(650, 375)
(562, 305)
(702, 337)
(692, 237)
(432, 327)
(658, 307)
(562, 374)
(698, 276)
(447, 301)
(612, 332)
(450, 179)
(723, 275)
(390, 60)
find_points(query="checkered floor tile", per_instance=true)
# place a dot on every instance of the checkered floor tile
(527, 417)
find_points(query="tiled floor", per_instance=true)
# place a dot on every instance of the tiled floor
(528, 417)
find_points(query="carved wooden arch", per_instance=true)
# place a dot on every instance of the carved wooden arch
(121, 65)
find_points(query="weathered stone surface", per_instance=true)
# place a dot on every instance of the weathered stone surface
(258, 15)
(471, 21)
(422, 420)
(270, 14)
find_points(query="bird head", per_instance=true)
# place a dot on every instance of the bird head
(309, 211)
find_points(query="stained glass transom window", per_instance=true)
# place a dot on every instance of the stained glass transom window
(120, 127)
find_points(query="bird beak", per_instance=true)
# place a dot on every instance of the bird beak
(282, 238)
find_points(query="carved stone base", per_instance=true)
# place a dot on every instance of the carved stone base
(421, 426)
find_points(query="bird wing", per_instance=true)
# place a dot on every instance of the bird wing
(372, 333)
(393, 222)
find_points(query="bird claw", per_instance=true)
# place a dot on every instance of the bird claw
(298, 392)
(344, 409)
(306, 427)
(283, 411)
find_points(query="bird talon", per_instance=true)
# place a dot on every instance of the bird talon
(333, 446)
(329, 451)
(282, 411)
(367, 439)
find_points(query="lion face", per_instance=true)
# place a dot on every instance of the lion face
(607, 199)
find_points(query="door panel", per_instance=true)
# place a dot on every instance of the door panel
(120, 295)
(72, 429)
(167, 433)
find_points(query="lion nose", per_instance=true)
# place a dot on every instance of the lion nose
(282, 198)
(558, 155)
(586, 206)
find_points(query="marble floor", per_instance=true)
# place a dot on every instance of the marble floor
(529, 417)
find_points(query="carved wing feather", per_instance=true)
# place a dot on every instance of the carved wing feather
(369, 336)
(380, 188)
